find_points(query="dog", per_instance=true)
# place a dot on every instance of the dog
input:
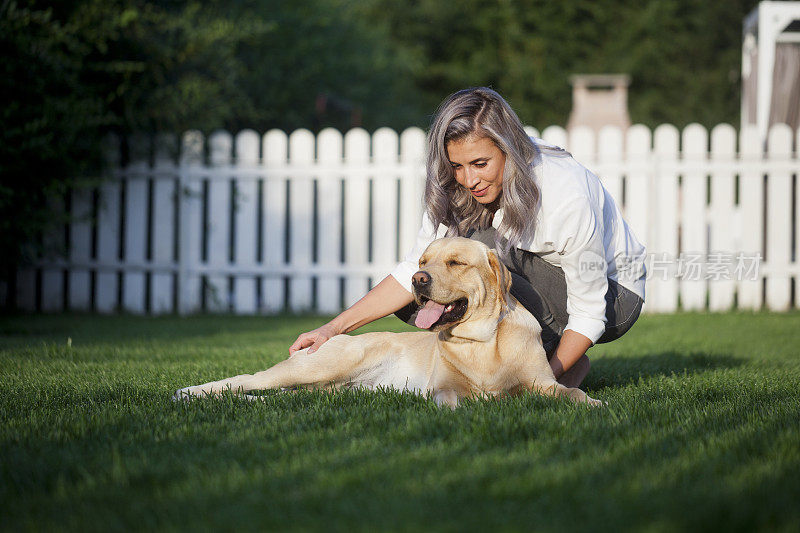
(480, 341)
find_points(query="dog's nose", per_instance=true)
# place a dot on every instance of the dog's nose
(420, 279)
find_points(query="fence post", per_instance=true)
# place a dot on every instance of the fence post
(532, 132)
(751, 204)
(273, 289)
(244, 208)
(721, 245)
(108, 233)
(301, 216)
(162, 280)
(80, 249)
(135, 223)
(190, 197)
(693, 218)
(638, 181)
(384, 198)
(797, 223)
(664, 250)
(556, 135)
(609, 157)
(329, 223)
(412, 185)
(639, 189)
(583, 146)
(356, 154)
(217, 223)
(779, 219)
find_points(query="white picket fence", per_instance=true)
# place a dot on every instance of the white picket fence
(275, 223)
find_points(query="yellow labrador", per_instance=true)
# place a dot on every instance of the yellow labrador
(481, 341)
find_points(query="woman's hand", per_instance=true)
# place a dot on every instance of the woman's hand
(386, 297)
(314, 339)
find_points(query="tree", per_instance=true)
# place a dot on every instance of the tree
(683, 55)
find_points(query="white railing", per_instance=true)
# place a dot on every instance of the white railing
(273, 223)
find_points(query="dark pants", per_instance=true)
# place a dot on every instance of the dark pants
(541, 288)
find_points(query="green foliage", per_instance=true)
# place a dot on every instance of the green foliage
(683, 55)
(700, 433)
(319, 48)
(74, 71)
(48, 123)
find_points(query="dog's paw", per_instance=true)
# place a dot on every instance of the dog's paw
(446, 398)
(254, 398)
(595, 403)
(185, 394)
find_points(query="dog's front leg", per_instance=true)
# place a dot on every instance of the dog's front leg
(335, 360)
(237, 384)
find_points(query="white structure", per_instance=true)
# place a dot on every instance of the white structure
(264, 224)
(771, 67)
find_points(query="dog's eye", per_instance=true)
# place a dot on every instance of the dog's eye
(454, 262)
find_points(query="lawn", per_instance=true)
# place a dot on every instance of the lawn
(702, 431)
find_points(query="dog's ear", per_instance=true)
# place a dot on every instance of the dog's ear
(501, 274)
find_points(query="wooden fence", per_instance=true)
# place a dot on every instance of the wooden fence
(267, 224)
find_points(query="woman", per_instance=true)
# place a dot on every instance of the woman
(575, 263)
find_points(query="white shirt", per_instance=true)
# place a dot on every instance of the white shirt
(578, 228)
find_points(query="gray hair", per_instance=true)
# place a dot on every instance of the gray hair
(482, 112)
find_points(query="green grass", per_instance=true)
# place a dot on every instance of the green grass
(702, 431)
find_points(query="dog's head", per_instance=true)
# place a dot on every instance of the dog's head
(459, 281)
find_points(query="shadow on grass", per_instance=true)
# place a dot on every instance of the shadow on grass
(35, 328)
(617, 371)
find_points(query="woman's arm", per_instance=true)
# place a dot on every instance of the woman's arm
(570, 349)
(580, 237)
(385, 298)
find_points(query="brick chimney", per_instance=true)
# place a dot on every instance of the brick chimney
(599, 100)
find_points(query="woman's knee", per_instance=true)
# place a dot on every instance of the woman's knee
(626, 311)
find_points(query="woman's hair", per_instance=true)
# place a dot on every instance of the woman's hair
(481, 112)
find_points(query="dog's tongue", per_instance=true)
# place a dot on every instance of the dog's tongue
(429, 314)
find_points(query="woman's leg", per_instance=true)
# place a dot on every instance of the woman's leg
(575, 375)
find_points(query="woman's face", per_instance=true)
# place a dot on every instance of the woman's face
(478, 165)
